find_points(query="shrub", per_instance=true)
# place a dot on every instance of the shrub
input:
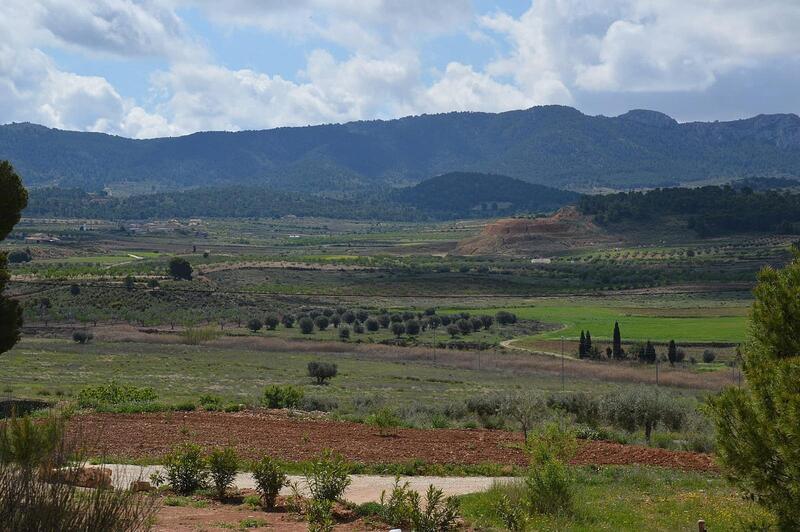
(28, 501)
(269, 478)
(327, 476)
(384, 320)
(362, 315)
(322, 322)
(282, 396)
(412, 327)
(549, 483)
(709, 356)
(186, 469)
(255, 325)
(306, 325)
(464, 326)
(318, 404)
(398, 329)
(583, 406)
(452, 330)
(114, 394)
(82, 337)
(319, 513)
(486, 321)
(385, 419)
(271, 321)
(344, 332)
(153, 283)
(74, 289)
(18, 257)
(287, 320)
(504, 317)
(223, 465)
(322, 371)
(372, 325)
(358, 328)
(403, 509)
(348, 317)
(211, 402)
(179, 268)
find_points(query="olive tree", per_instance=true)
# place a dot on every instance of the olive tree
(643, 408)
(758, 427)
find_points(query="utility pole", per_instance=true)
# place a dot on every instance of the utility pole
(562, 364)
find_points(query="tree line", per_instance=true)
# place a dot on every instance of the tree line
(709, 211)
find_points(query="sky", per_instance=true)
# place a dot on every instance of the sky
(151, 68)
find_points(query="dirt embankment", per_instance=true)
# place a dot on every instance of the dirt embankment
(566, 229)
(256, 433)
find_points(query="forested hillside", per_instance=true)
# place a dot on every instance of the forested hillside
(551, 145)
(709, 211)
(440, 198)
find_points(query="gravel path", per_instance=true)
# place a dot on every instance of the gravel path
(363, 488)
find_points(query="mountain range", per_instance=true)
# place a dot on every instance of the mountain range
(550, 145)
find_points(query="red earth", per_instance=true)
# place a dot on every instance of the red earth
(295, 437)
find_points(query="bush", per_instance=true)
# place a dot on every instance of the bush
(358, 328)
(709, 356)
(282, 396)
(453, 330)
(319, 513)
(271, 321)
(412, 327)
(82, 337)
(344, 332)
(327, 477)
(255, 325)
(269, 478)
(223, 465)
(372, 325)
(385, 419)
(322, 322)
(179, 268)
(464, 326)
(29, 502)
(403, 509)
(504, 317)
(74, 289)
(549, 483)
(186, 469)
(18, 257)
(398, 329)
(526, 409)
(318, 404)
(306, 325)
(322, 371)
(114, 394)
(211, 402)
(287, 320)
(583, 406)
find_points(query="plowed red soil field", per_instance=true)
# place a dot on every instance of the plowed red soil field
(276, 433)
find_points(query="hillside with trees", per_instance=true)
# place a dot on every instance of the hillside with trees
(709, 211)
(552, 145)
(450, 196)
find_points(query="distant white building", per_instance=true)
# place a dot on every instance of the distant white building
(541, 260)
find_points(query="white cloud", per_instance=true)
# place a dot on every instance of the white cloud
(461, 88)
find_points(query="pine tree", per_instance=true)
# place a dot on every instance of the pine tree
(582, 346)
(616, 348)
(758, 425)
(13, 198)
(672, 352)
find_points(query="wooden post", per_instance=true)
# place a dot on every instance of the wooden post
(701, 526)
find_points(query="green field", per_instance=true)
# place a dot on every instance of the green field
(712, 324)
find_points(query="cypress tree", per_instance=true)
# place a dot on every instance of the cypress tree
(588, 344)
(649, 352)
(672, 352)
(616, 347)
(582, 346)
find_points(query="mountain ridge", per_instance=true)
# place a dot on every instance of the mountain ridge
(556, 146)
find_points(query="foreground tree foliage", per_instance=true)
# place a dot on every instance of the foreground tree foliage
(758, 427)
(13, 198)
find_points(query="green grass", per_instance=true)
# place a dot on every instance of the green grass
(635, 498)
(700, 325)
